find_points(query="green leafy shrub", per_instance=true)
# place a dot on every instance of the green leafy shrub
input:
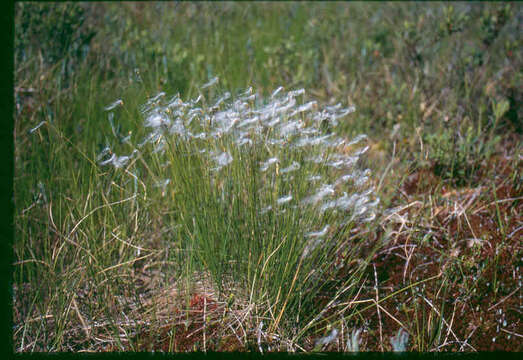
(458, 157)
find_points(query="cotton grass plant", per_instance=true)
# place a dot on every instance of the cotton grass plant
(262, 195)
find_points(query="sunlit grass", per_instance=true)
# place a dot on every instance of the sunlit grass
(260, 196)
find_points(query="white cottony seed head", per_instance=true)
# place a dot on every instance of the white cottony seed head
(285, 138)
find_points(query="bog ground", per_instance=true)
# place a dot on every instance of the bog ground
(267, 177)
